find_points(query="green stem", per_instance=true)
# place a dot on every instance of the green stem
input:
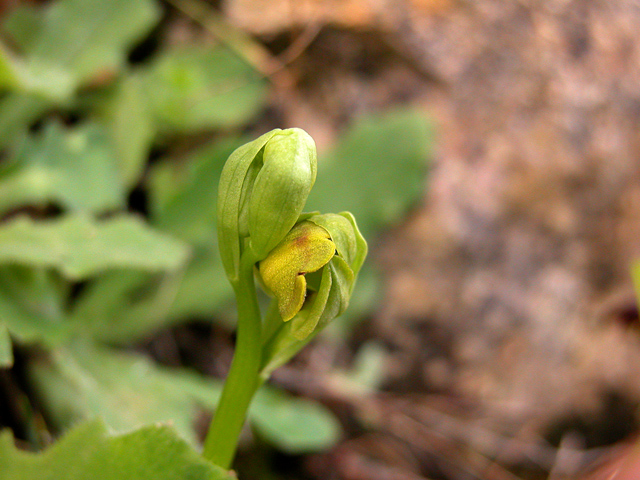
(243, 379)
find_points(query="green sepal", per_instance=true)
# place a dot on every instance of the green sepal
(331, 300)
(342, 228)
(281, 188)
(304, 323)
(232, 188)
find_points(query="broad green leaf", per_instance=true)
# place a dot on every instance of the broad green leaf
(204, 287)
(183, 197)
(104, 306)
(192, 89)
(17, 113)
(184, 192)
(163, 181)
(80, 247)
(51, 83)
(294, 425)
(32, 304)
(130, 128)
(6, 351)
(89, 452)
(88, 38)
(23, 323)
(127, 391)
(366, 374)
(74, 168)
(125, 306)
(376, 171)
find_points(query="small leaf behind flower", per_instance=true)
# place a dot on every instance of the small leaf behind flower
(74, 168)
(295, 425)
(193, 89)
(376, 171)
(81, 247)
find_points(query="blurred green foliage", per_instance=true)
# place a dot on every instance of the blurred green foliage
(82, 276)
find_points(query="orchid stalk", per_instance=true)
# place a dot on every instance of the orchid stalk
(307, 262)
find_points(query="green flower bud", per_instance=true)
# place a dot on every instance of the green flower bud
(281, 188)
(329, 245)
(263, 188)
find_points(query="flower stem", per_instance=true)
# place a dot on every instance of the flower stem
(243, 379)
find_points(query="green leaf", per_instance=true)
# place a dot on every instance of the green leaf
(128, 391)
(6, 352)
(74, 168)
(130, 127)
(184, 192)
(85, 381)
(32, 304)
(294, 425)
(125, 306)
(204, 287)
(87, 38)
(366, 374)
(183, 196)
(81, 247)
(376, 171)
(52, 83)
(88, 452)
(193, 89)
(17, 113)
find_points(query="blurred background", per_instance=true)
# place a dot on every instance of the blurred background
(490, 151)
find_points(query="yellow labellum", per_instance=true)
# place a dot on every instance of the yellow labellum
(306, 248)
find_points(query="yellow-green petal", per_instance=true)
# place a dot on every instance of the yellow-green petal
(306, 248)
